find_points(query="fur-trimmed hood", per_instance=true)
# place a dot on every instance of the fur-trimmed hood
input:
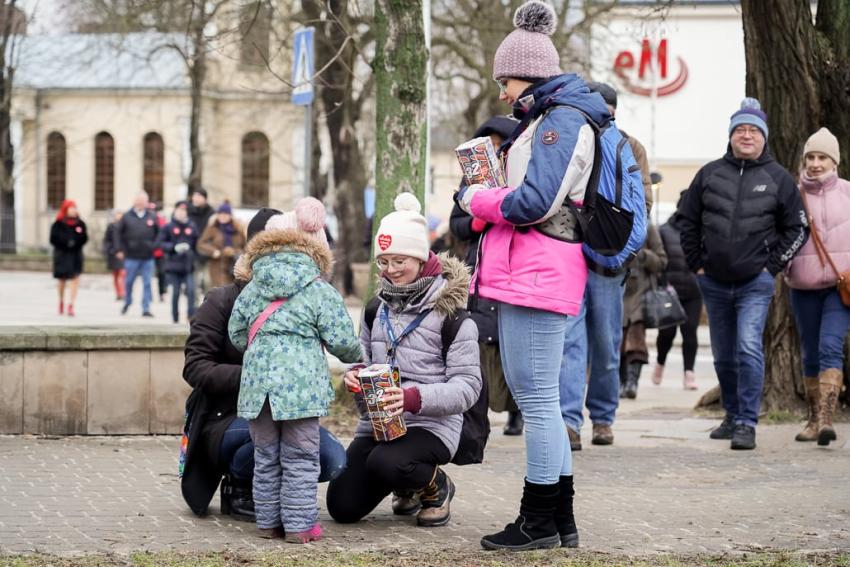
(450, 290)
(273, 241)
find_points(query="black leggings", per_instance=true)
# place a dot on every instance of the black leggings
(693, 309)
(375, 469)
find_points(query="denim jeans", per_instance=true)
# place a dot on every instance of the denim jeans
(134, 268)
(822, 321)
(176, 282)
(531, 341)
(237, 453)
(593, 338)
(736, 317)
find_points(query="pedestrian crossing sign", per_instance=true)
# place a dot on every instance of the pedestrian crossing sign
(302, 67)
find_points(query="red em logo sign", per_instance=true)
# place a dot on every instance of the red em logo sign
(624, 68)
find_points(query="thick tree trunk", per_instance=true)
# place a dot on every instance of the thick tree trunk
(401, 67)
(799, 72)
(7, 151)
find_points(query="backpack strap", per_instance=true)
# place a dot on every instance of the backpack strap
(449, 329)
(371, 312)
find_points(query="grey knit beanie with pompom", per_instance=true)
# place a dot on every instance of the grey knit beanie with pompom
(528, 52)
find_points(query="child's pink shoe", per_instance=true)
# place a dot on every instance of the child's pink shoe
(313, 534)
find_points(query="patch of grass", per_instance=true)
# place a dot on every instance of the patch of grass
(432, 558)
(777, 417)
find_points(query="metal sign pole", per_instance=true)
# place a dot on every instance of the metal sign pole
(308, 147)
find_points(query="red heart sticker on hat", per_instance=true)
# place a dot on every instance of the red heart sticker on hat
(384, 241)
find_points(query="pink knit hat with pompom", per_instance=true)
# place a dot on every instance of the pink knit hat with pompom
(308, 218)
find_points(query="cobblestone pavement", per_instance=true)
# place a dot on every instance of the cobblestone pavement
(663, 487)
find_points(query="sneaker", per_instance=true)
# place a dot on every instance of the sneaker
(271, 533)
(602, 434)
(744, 438)
(313, 534)
(147, 314)
(435, 499)
(406, 502)
(690, 380)
(575, 439)
(124, 309)
(658, 374)
(724, 430)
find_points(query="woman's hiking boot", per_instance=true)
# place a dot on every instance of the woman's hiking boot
(564, 519)
(406, 502)
(515, 424)
(810, 432)
(831, 381)
(436, 498)
(237, 500)
(534, 528)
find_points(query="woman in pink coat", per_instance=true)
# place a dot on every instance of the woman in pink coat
(822, 319)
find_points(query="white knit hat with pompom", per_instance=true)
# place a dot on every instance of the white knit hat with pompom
(308, 218)
(405, 231)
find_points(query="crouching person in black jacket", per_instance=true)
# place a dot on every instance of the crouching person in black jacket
(220, 449)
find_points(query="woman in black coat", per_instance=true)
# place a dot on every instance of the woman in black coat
(68, 235)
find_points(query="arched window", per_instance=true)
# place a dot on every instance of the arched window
(154, 166)
(255, 170)
(55, 170)
(104, 172)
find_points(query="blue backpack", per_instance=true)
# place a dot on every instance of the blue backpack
(611, 222)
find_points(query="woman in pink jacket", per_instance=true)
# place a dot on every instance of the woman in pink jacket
(537, 280)
(822, 320)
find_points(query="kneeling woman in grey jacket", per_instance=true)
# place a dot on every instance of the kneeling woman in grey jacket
(434, 392)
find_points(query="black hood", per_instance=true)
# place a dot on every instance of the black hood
(500, 125)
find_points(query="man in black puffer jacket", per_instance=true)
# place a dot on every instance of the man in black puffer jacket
(219, 443)
(742, 220)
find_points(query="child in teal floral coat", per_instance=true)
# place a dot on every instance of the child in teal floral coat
(286, 383)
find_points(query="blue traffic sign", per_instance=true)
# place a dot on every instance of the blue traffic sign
(302, 67)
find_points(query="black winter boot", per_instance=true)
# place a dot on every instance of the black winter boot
(534, 528)
(237, 500)
(564, 519)
(514, 424)
(632, 377)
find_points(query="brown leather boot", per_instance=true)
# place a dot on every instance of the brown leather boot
(435, 499)
(831, 381)
(810, 432)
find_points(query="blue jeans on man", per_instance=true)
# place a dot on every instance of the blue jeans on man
(593, 338)
(134, 268)
(737, 313)
(237, 453)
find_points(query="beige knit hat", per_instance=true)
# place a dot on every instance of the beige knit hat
(824, 142)
(405, 231)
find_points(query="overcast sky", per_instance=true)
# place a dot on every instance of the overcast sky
(44, 16)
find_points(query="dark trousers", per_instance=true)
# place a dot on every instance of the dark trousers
(693, 310)
(377, 468)
(178, 282)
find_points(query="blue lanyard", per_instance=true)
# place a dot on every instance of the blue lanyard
(395, 341)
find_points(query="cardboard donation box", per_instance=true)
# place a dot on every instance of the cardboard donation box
(479, 162)
(373, 381)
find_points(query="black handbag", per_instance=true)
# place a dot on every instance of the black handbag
(661, 306)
